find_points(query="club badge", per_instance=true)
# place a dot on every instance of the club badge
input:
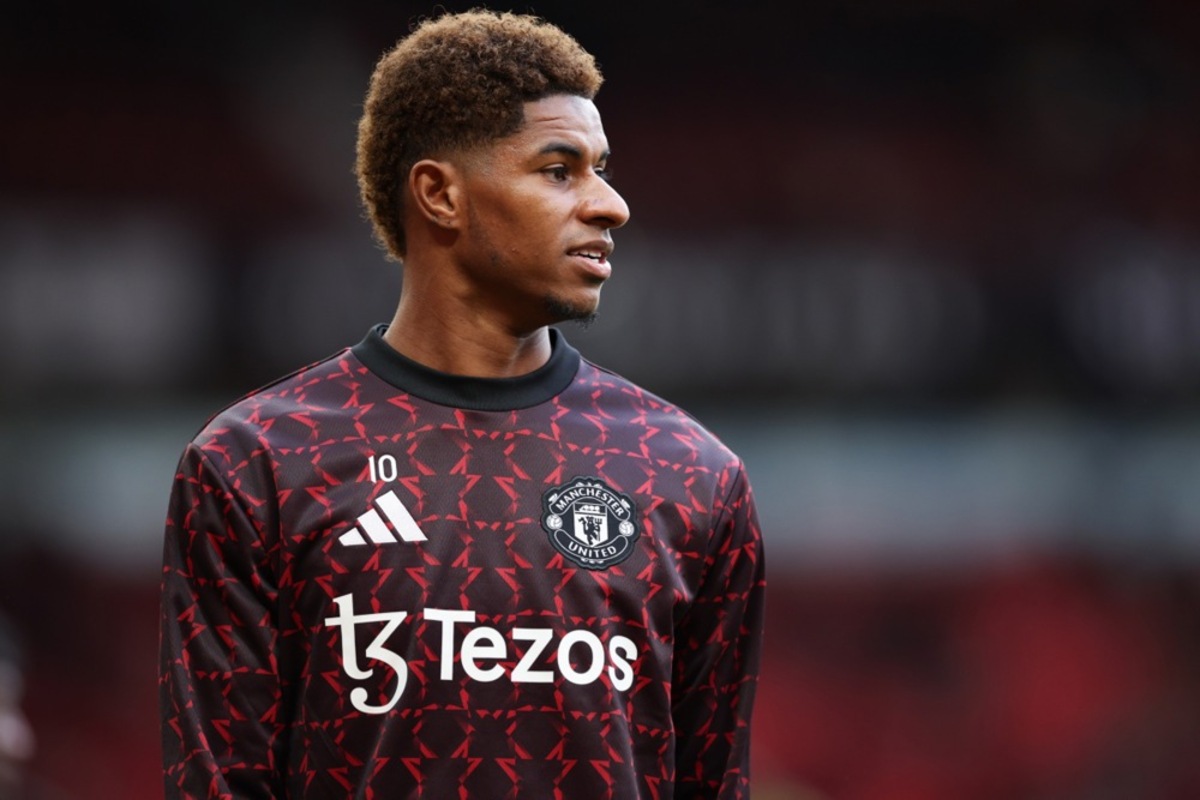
(590, 523)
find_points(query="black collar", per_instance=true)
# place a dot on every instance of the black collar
(460, 391)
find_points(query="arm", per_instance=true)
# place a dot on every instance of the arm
(717, 655)
(219, 684)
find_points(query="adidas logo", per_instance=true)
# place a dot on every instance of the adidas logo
(377, 530)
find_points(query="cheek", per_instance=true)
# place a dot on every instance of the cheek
(522, 226)
(528, 211)
(528, 231)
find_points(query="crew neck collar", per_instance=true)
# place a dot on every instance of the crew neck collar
(460, 391)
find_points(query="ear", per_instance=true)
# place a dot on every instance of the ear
(436, 191)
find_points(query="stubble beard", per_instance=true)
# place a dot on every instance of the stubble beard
(561, 310)
(558, 309)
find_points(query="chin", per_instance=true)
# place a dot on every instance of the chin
(562, 309)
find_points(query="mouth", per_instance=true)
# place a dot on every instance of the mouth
(594, 257)
(595, 251)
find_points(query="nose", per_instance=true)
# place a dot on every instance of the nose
(605, 207)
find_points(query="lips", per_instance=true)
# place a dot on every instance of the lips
(597, 251)
(592, 259)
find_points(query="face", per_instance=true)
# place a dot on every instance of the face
(539, 216)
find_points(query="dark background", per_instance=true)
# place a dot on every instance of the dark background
(931, 268)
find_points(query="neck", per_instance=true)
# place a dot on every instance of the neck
(458, 342)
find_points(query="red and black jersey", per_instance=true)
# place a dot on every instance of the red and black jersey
(382, 581)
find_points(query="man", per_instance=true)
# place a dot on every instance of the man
(456, 559)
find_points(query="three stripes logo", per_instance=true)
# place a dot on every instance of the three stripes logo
(402, 524)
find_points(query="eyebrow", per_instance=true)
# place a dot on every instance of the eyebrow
(569, 150)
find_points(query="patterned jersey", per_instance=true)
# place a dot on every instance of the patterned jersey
(382, 581)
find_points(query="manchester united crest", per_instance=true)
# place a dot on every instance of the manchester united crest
(590, 523)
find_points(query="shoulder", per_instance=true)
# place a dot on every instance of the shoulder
(664, 431)
(288, 412)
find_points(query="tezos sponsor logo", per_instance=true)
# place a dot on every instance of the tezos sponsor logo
(483, 653)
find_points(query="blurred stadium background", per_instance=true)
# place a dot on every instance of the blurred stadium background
(931, 267)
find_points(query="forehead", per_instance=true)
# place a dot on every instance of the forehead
(570, 118)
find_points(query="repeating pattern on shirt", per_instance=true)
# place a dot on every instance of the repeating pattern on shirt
(513, 672)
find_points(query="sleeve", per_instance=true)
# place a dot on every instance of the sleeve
(219, 681)
(717, 657)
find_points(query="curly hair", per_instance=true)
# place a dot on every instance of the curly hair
(456, 82)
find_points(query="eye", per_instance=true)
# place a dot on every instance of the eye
(558, 173)
(605, 173)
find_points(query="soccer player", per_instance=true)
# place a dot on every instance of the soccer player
(457, 560)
